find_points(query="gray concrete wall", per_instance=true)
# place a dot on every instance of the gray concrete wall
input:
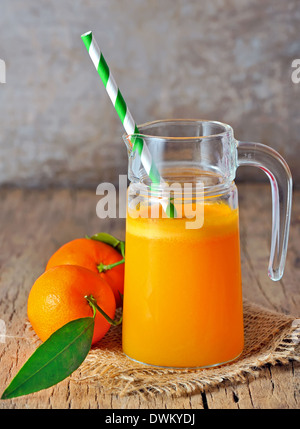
(228, 60)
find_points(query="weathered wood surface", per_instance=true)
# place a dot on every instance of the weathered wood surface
(34, 223)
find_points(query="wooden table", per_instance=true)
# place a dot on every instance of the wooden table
(34, 223)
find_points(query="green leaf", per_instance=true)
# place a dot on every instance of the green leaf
(122, 248)
(55, 359)
(111, 240)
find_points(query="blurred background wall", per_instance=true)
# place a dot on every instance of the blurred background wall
(227, 60)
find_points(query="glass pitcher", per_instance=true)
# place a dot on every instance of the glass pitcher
(183, 290)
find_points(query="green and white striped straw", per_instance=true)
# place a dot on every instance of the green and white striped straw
(124, 113)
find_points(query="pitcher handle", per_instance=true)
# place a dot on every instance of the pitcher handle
(276, 168)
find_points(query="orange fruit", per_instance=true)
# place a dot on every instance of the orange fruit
(90, 254)
(58, 296)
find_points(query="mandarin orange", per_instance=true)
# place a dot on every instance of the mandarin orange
(58, 296)
(93, 255)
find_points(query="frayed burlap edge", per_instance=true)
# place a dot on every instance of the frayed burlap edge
(270, 338)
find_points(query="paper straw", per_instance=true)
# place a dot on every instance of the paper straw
(124, 113)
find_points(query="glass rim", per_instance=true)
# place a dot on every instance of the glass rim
(208, 191)
(227, 129)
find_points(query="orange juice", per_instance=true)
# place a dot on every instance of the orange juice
(183, 294)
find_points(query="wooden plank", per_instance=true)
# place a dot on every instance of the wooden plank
(34, 223)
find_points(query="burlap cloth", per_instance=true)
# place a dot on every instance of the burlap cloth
(270, 338)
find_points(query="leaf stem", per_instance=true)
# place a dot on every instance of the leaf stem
(93, 303)
(102, 268)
